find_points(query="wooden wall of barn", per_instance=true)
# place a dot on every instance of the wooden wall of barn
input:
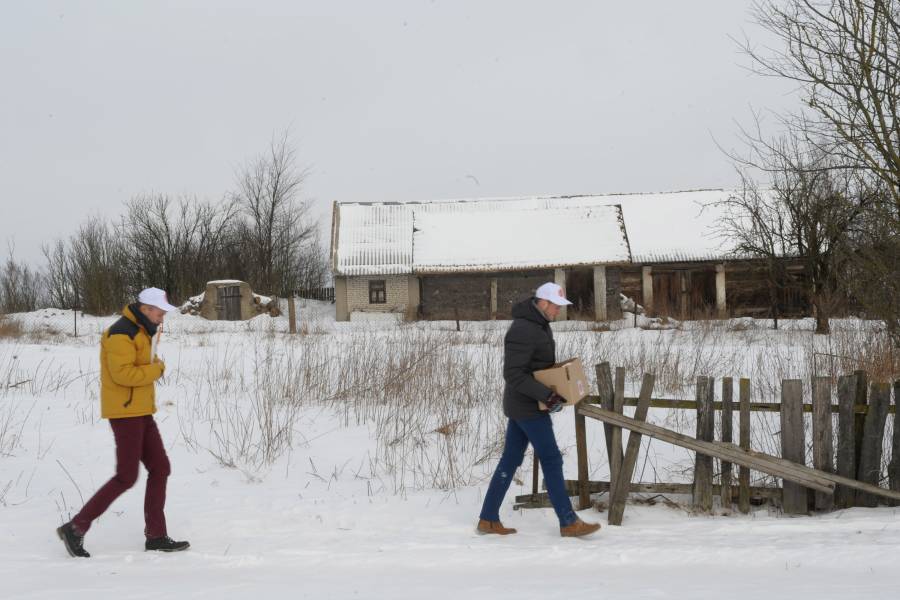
(468, 295)
(686, 290)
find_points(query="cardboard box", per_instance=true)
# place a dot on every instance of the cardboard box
(566, 379)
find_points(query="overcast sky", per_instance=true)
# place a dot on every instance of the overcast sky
(384, 101)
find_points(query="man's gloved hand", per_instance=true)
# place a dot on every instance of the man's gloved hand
(554, 402)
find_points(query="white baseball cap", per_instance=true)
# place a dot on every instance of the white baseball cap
(155, 297)
(552, 293)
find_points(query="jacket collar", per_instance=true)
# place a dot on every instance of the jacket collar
(527, 309)
(133, 314)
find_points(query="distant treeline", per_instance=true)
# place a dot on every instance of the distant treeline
(261, 233)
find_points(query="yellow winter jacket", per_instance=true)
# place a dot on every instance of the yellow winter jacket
(126, 375)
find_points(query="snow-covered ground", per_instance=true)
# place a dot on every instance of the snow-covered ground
(311, 466)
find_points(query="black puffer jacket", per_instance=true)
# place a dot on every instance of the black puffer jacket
(528, 347)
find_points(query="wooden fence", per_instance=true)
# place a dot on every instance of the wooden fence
(846, 468)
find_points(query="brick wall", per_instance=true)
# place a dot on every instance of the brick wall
(397, 297)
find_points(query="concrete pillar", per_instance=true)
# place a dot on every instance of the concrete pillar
(647, 286)
(721, 304)
(341, 304)
(494, 298)
(600, 293)
(559, 278)
(413, 298)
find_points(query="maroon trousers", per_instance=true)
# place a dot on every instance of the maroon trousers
(137, 441)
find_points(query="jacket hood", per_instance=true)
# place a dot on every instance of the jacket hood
(526, 309)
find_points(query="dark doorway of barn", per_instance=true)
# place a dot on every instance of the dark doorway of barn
(229, 304)
(703, 294)
(580, 292)
(667, 293)
(684, 294)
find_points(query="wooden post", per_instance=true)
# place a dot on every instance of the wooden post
(600, 313)
(845, 497)
(873, 440)
(493, 298)
(859, 427)
(744, 474)
(703, 464)
(894, 466)
(647, 287)
(559, 278)
(727, 426)
(620, 493)
(535, 477)
(618, 407)
(605, 390)
(721, 302)
(292, 314)
(584, 496)
(793, 443)
(823, 446)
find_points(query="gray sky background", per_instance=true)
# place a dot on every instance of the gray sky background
(384, 101)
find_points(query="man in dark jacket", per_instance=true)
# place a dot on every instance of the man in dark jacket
(529, 347)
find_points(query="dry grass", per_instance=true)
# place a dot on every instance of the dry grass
(11, 328)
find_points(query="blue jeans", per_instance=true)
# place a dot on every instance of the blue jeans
(538, 431)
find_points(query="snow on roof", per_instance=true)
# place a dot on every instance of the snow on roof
(522, 238)
(373, 239)
(476, 235)
(528, 232)
(675, 226)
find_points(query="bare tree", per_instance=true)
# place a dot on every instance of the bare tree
(846, 56)
(60, 276)
(100, 264)
(276, 232)
(21, 287)
(178, 245)
(804, 216)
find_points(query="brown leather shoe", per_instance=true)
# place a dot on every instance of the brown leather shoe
(487, 527)
(579, 529)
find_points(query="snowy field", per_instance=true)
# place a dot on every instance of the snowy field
(350, 461)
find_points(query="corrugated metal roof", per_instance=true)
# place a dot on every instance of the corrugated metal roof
(528, 232)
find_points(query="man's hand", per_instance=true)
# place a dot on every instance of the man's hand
(554, 402)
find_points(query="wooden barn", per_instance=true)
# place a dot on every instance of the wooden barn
(473, 259)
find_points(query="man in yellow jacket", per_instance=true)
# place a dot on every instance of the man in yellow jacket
(128, 373)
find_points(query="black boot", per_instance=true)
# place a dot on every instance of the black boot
(73, 540)
(165, 544)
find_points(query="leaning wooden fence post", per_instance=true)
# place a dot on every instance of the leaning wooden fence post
(727, 426)
(744, 473)
(873, 440)
(845, 497)
(823, 446)
(584, 496)
(535, 476)
(703, 464)
(618, 407)
(894, 466)
(619, 494)
(605, 389)
(793, 444)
